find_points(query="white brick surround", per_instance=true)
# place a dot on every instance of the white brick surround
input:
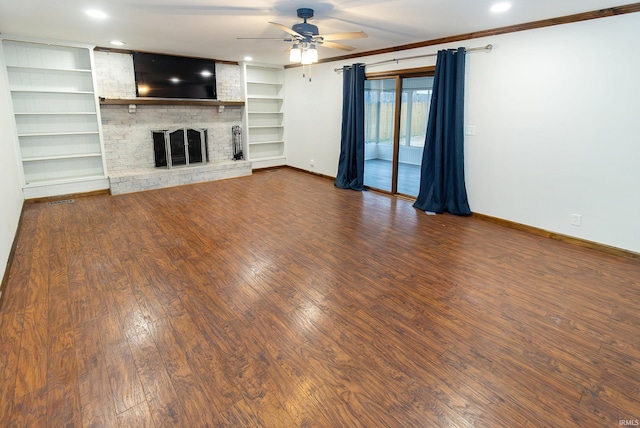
(114, 75)
(228, 84)
(127, 136)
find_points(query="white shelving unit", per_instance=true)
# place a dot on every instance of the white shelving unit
(264, 115)
(57, 117)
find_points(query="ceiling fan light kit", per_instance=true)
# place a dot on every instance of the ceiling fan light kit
(308, 56)
(306, 38)
(295, 54)
(304, 53)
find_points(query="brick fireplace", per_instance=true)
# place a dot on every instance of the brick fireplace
(129, 151)
(127, 129)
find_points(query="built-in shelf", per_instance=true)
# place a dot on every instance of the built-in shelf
(169, 101)
(264, 116)
(57, 117)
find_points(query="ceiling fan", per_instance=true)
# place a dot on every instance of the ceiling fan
(305, 38)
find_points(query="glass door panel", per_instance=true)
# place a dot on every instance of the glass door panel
(416, 99)
(380, 105)
(178, 151)
(195, 145)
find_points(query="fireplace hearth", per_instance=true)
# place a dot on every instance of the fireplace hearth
(180, 147)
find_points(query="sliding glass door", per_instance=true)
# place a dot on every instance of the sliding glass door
(379, 123)
(395, 130)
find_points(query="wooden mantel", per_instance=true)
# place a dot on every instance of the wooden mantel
(169, 101)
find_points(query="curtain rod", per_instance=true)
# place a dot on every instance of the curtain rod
(396, 60)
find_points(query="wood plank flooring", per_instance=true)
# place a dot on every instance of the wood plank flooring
(278, 300)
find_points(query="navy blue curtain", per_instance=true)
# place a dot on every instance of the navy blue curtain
(442, 186)
(351, 163)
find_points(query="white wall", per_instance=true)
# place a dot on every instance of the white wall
(11, 196)
(556, 111)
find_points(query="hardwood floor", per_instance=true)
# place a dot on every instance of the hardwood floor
(277, 300)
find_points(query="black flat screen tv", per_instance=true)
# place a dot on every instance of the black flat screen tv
(168, 76)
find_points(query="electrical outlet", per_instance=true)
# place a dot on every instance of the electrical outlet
(470, 130)
(576, 220)
(311, 162)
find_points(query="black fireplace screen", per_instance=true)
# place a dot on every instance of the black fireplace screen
(180, 147)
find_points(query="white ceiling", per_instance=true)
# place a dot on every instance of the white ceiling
(210, 28)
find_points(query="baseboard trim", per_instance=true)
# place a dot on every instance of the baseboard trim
(267, 169)
(317, 174)
(12, 252)
(560, 237)
(514, 225)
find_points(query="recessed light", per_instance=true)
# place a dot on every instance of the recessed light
(248, 58)
(205, 73)
(97, 14)
(174, 80)
(117, 43)
(500, 7)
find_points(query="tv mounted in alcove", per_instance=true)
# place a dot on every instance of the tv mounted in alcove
(168, 76)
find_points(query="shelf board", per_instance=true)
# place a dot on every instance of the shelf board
(168, 101)
(255, 82)
(64, 180)
(258, 97)
(265, 126)
(70, 113)
(265, 112)
(49, 91)
(45, 134)
(256, 143)
(28, 68)
(268, 158)
(48, 158)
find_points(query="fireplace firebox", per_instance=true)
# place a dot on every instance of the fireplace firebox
(180, 147)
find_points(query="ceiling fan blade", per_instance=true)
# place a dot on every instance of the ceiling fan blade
(264, 38)
(287, 29)
(374, 24)
(344, 36)
(334, 45)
